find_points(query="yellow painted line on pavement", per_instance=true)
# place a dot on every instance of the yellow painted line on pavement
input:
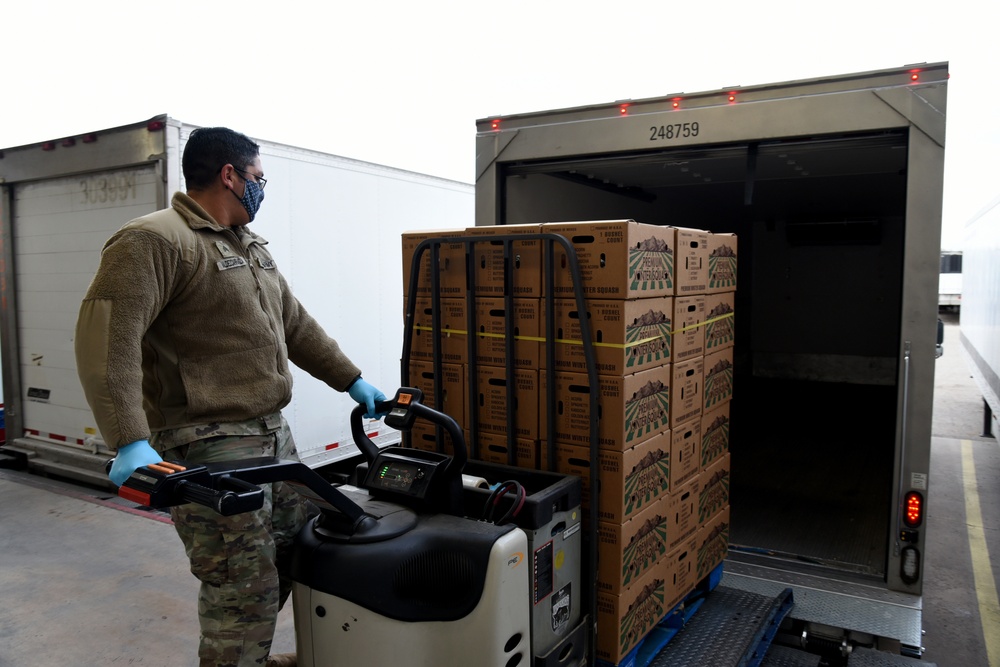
(986, 588)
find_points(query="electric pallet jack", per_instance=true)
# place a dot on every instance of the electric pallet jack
(406, 564)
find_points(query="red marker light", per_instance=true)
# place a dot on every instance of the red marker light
(676, 104)
(913, 507)
(155, 125)
(623, 109)
(495, 124)
(732, 98)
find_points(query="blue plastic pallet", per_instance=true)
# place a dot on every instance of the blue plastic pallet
(670, 625)
(733, 627)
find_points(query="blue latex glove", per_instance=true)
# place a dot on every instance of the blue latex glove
(367, 395)
(131, 457)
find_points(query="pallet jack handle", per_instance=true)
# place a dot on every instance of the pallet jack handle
(231, 487)
(403, 409)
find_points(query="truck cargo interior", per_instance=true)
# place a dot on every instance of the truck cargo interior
(810, 466)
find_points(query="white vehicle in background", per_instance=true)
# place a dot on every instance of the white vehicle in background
(334, 225)
(950, 281)
(979, 325)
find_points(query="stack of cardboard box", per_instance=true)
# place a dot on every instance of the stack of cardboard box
(659, 309)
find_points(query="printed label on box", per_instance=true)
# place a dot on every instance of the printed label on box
(718, 379)
(722, 261)
(720, 323)
(647, 610)
(714, 435)
(714, 490)
(713, 544)
(648, 480)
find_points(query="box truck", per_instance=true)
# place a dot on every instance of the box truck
(950, 283)
(980, 315)
(333, 225)
(833, 186)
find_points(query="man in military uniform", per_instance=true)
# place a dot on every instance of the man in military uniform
(183, 345)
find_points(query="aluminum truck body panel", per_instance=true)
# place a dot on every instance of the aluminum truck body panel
(834, 188)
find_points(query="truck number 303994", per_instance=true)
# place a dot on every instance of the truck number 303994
(675, 131)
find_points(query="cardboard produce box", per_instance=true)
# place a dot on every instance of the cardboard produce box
(713, 543)
(452, 332)
(451, 262)
(682, 510)
(494, 448)
(713, 489)
(720, 321)
(681, 564)
(632, 409)
(689, 327)
(619, 259)
(714, 435)
(626, 551)
(491, 394)
(718, 381)
(685, 442)
(630, 481)
(452, 382)
(627, 336)
(691, 266)
(492, 328)
(722, 261)
(687, 391)
(424, 436)
(624, 620)
(490, 269)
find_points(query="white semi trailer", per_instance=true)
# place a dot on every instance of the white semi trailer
(333, 225)
(834, 188)
(980, 318)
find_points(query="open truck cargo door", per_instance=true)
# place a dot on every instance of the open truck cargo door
(833, 186)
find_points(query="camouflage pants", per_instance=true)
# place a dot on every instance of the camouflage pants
(240, 560)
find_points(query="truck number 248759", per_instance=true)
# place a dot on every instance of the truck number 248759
(675, 131)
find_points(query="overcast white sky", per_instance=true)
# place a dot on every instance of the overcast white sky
(402, 83)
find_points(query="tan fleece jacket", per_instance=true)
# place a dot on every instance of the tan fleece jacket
(187, 322)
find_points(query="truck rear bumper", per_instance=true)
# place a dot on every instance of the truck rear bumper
(852, 607)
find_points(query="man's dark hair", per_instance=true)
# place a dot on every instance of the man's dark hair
(209, 149)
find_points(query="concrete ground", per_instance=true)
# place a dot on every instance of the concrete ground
(88, 581)
(961, 619)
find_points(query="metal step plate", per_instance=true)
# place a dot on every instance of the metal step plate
(728, 629)
(859, 607)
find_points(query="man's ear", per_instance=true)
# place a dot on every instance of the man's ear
(228, 176)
